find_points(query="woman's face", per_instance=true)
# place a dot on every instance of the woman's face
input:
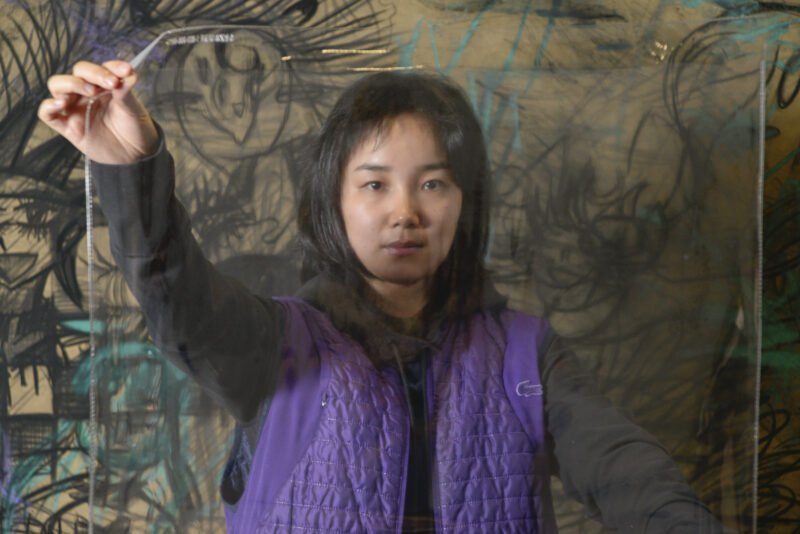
(400, 203)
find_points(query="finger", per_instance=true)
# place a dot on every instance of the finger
(96, 74)
(64, 85)
(124, 71)
(127, 80)
(52, 112)
(121, 69)
(69, 125)
(57, 112)
(48, 107)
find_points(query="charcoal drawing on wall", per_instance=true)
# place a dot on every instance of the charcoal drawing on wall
(624, 145)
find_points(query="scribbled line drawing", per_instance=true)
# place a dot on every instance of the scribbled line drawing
(43, 453)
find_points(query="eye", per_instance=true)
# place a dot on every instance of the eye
(373, 185)
(434, 184)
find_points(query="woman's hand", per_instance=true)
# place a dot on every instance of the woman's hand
(120, 130)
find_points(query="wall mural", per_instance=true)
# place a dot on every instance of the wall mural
(624, 143)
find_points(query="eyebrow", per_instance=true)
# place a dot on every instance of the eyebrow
(373, 167)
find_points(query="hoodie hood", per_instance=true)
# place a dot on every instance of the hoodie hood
(386, 339)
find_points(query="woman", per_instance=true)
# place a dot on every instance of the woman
(396, 392)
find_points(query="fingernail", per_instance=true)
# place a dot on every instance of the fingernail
(89, 88)
(111, 83)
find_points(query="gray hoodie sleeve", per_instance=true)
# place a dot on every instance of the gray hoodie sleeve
(207, 324)
(618, 471)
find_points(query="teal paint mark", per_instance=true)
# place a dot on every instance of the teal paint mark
(432, 34)
(775, 31)
(59, 494)
(791, 45)
(486, 103)
(472, 91)
(517, 38)
(548, 31)
(114, 373)
(779, 64)
(160, 473)
(66, 428)
(407, 49)
(491, 118)
(746, 7)
(465, 39)
(493, 121)
(786, 159)
(770, 132)
(692, 4)
(507, 110)
(771, 112)
(84, 325)
(483, 106)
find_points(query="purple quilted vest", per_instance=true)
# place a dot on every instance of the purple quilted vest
(333, 450)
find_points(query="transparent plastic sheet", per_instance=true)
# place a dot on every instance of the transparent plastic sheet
(625, 209)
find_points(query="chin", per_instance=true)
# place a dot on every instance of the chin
(403, 278)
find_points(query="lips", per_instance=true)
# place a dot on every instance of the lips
(403, 248)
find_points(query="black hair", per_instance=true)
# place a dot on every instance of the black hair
(363, 109)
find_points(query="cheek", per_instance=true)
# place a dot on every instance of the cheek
(455, 212)
(346, 215)
(357, 226)
(449, 225)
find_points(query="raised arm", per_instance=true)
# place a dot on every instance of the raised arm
(209, 325)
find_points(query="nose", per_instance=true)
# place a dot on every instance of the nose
(405, 210)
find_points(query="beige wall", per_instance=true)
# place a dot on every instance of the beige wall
(581, 76)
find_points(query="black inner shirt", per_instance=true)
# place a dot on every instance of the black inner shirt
(418, 510)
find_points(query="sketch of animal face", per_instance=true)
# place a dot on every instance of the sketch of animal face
(28, 209)
(229, 91)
